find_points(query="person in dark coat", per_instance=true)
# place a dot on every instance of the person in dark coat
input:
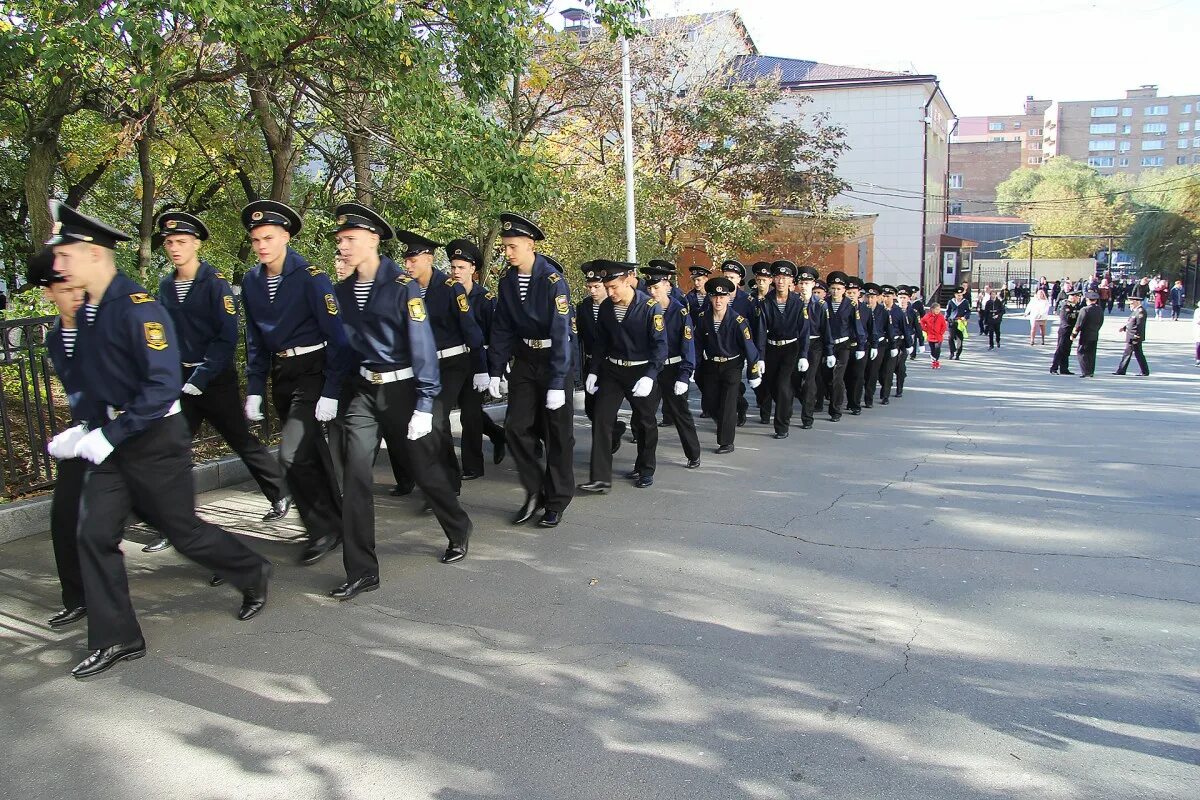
(1135, 333)
(993, 314)
(1087, 334)
(1068, 315)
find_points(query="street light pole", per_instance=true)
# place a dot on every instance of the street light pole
(627, 102)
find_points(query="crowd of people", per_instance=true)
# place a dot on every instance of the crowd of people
(1165, 296)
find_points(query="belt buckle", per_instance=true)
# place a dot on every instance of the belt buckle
(535, 344)
(376, 377)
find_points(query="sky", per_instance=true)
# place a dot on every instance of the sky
(988, 56)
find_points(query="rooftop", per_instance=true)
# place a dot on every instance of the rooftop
(797, 71)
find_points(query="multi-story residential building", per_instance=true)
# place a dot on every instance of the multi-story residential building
(1026, 128)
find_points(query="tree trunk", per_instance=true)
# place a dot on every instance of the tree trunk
(146, 171)
(42, 141)
(490, 229)
(360, 159)
(278, 138)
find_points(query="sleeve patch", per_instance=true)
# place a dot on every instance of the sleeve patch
(687, 331)
(562, 305)
(331, 305)
(156, 335)
(489, 296)
(227, 301)
(416, 309)
(450, 282)
(659, 325)
(746, 332)
(141, 297)
(315, 271)
(462, 304)
(403, 280)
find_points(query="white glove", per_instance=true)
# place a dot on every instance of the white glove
(858, 354)
(254, 407)
(326, 409)
(754, 382)
(802, 365)
(420, 424)
(94, 447)
(762, 368)
(192, 390)
(503, 386)
(493, 388)
(831, 361)
(893, 352)
(555, 399)
(874, 352)
(63, 445)
(680, 387)
(591, 383)
(643, 387)
(480, 381)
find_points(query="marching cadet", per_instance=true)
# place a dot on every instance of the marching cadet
(763, 286)
(958, 308)
(293, 333)
(465, 260)
(856, 368)
(630, 349)
(396, 388)
(137, 443)
(917, 308)
(726, 343)
(1087, 333)
(763, 280)
(783, 320)
(914, 336)
(733, 271)
(879, 337)
(819, 348)
(1068, 315)
(656, 267)
(675, 376)
(849, 336)
(894, 324)
(697, 299)
(460, 354)
(532, 327)
(203, 310)
(587, 317)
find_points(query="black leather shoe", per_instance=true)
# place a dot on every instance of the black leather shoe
(367, 583)
(618, 431)
(805, 426)
(725, 448)
(764, 419)
(1053, 372)
(67, 616)
(899, 393)
(470, 476)
(595, 487)
(1118, 373)
(693, 464)
(664, 424)
(402, 489)
(1066, 372)
(216, 580)
(854, 412)
(528, 509)
(279, 510)
(884, 401)
(550, 519)
(319, 548)
(633, 474)
(254, 597)
(157, 546)
(644, 482)
(868, 405)
(781, 435)
(454, 553)
(427, 508)
(498, 447)
(741, 419)
(102, 659)
(833, 418)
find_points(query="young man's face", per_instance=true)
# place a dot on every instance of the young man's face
(838, 291)
(357, 246)
(660, 291)
(463, 272)
(783, 283)
(77, 262)
(269, 243)
(618, 290)
(720, 302)
(596, 291)
(733, 276)
(419, 266)
(66, 298)
(181, 248)
(518, 250)
(699, 281)
(763, 283)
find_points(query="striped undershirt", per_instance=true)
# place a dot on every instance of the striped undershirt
(89, 313)
(835, 305)
(620, 310)
(716, 324)
(273, 286)
(362, 292)
(181, 289)
(523, 284)
(68, 340)
(595, 312)
(781, 305)
(424, 289)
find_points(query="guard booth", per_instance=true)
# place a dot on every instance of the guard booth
(956, 256)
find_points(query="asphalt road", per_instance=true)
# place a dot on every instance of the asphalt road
(986, 589)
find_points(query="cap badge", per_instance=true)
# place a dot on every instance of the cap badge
(256, 216)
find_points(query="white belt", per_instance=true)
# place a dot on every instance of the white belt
(386, 377)
(843, 339)
(882, 338)
(817, 336)
(538, 344)
(197, 364)
(299, 351)
(621, 363)
(672, 360)
(781, 342)
(453, 351)
(114, 412)
(720, 359)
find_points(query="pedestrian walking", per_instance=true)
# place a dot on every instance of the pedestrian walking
(674, 380)
(1158, 288)
(1037, 312)
(958, 315)
(993, 315)
(1176, 296)
(784, 323)
(726, 342)
(934, 324)
(1135, 334)
(1068, 315)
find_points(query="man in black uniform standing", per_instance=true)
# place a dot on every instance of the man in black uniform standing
(783, 322)
(1135, 333)
(676, 374)
(293, 333)
(742, 304)
(849, 340)
(532, 328)
(819, 349)
(630, 349)
(1087, 333)
(587, 320)
(1068, 315)
(137, 442)
(958, 308)
(726, 343)
(856, 369)
(893, 327)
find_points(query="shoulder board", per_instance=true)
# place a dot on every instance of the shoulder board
(315, 271)
(740, 319)
(450, 282)
(553, 277)
(403, 280)
(702, 313)
(141, 297)
(489, 295)
(651, 303)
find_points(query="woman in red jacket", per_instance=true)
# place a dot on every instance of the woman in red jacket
(934, 325)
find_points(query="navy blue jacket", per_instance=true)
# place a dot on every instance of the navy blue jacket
(453, 323)
(483, 308)
(681, 342)
(846, 321)
(733, 339)
(393, 330)
(586, 326)
(956, 310)
(695, 302)
(545, 314)
(879, 328)
(641, 336)
(912, 326)
(304, 313)
(818, 323)
(205, 322)
(791, 323)
(128, 359)
(67, 369)
(898, 327)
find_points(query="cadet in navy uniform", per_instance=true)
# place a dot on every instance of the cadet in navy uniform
(856, 368)
(879, 337)
(783, 317)
(532, 328)
(465, 261)
(763, 286)
(894, 327)
(204, 312)
(917, 308)
(849, 337)
(137, 441)
(819, 350)
(661, 269)
(914, 336)
(587, 315)
(293, 332)
(630, 348)
(395, 389)
(726, 342)
(733, 270)
(697, 299)
(461, 357)
(958, 308)
(675, 376)
(1135, 333)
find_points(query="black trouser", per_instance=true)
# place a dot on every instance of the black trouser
(336, 430)
(811, 379)
(956, 340)
(616, 383)
(1087, 356)
(722, 382)
(221, 405)
(874, 371)
(993, 332)
(155, 467)
(835, 379)
(388, 407)
(64, 528)
(475, 425)
(455, 373)
(887, 370)
(296, 385)
(1174, 310)
(1133, 350)
(854, 378)
(589, 410)
(528, 420)
(900, 368)
(780, 368)
(935, 351)
(763, 399)
(675, 410)
(1062, 351)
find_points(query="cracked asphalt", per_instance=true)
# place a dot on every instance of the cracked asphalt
(985, 589)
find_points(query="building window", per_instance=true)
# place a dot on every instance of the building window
(1033, 145)
(1035, 131)
(1125, 146)
(1152, 161)
(1184, 127)
(1102, 127)
(1104, 111)
(1126, 112)
(1126, 129)
(1102, 144)
(1154, 127)
(1017, 124)
(1196, 142)
(997, 138)
(956, 180)
(1035, 159)
(1100, 161)
(1156, 111)
(1180, 159)
(955, 207)
(1153, 144)
(1182, 144)
(1124, 162)
(995, 126)
(1187, 108)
